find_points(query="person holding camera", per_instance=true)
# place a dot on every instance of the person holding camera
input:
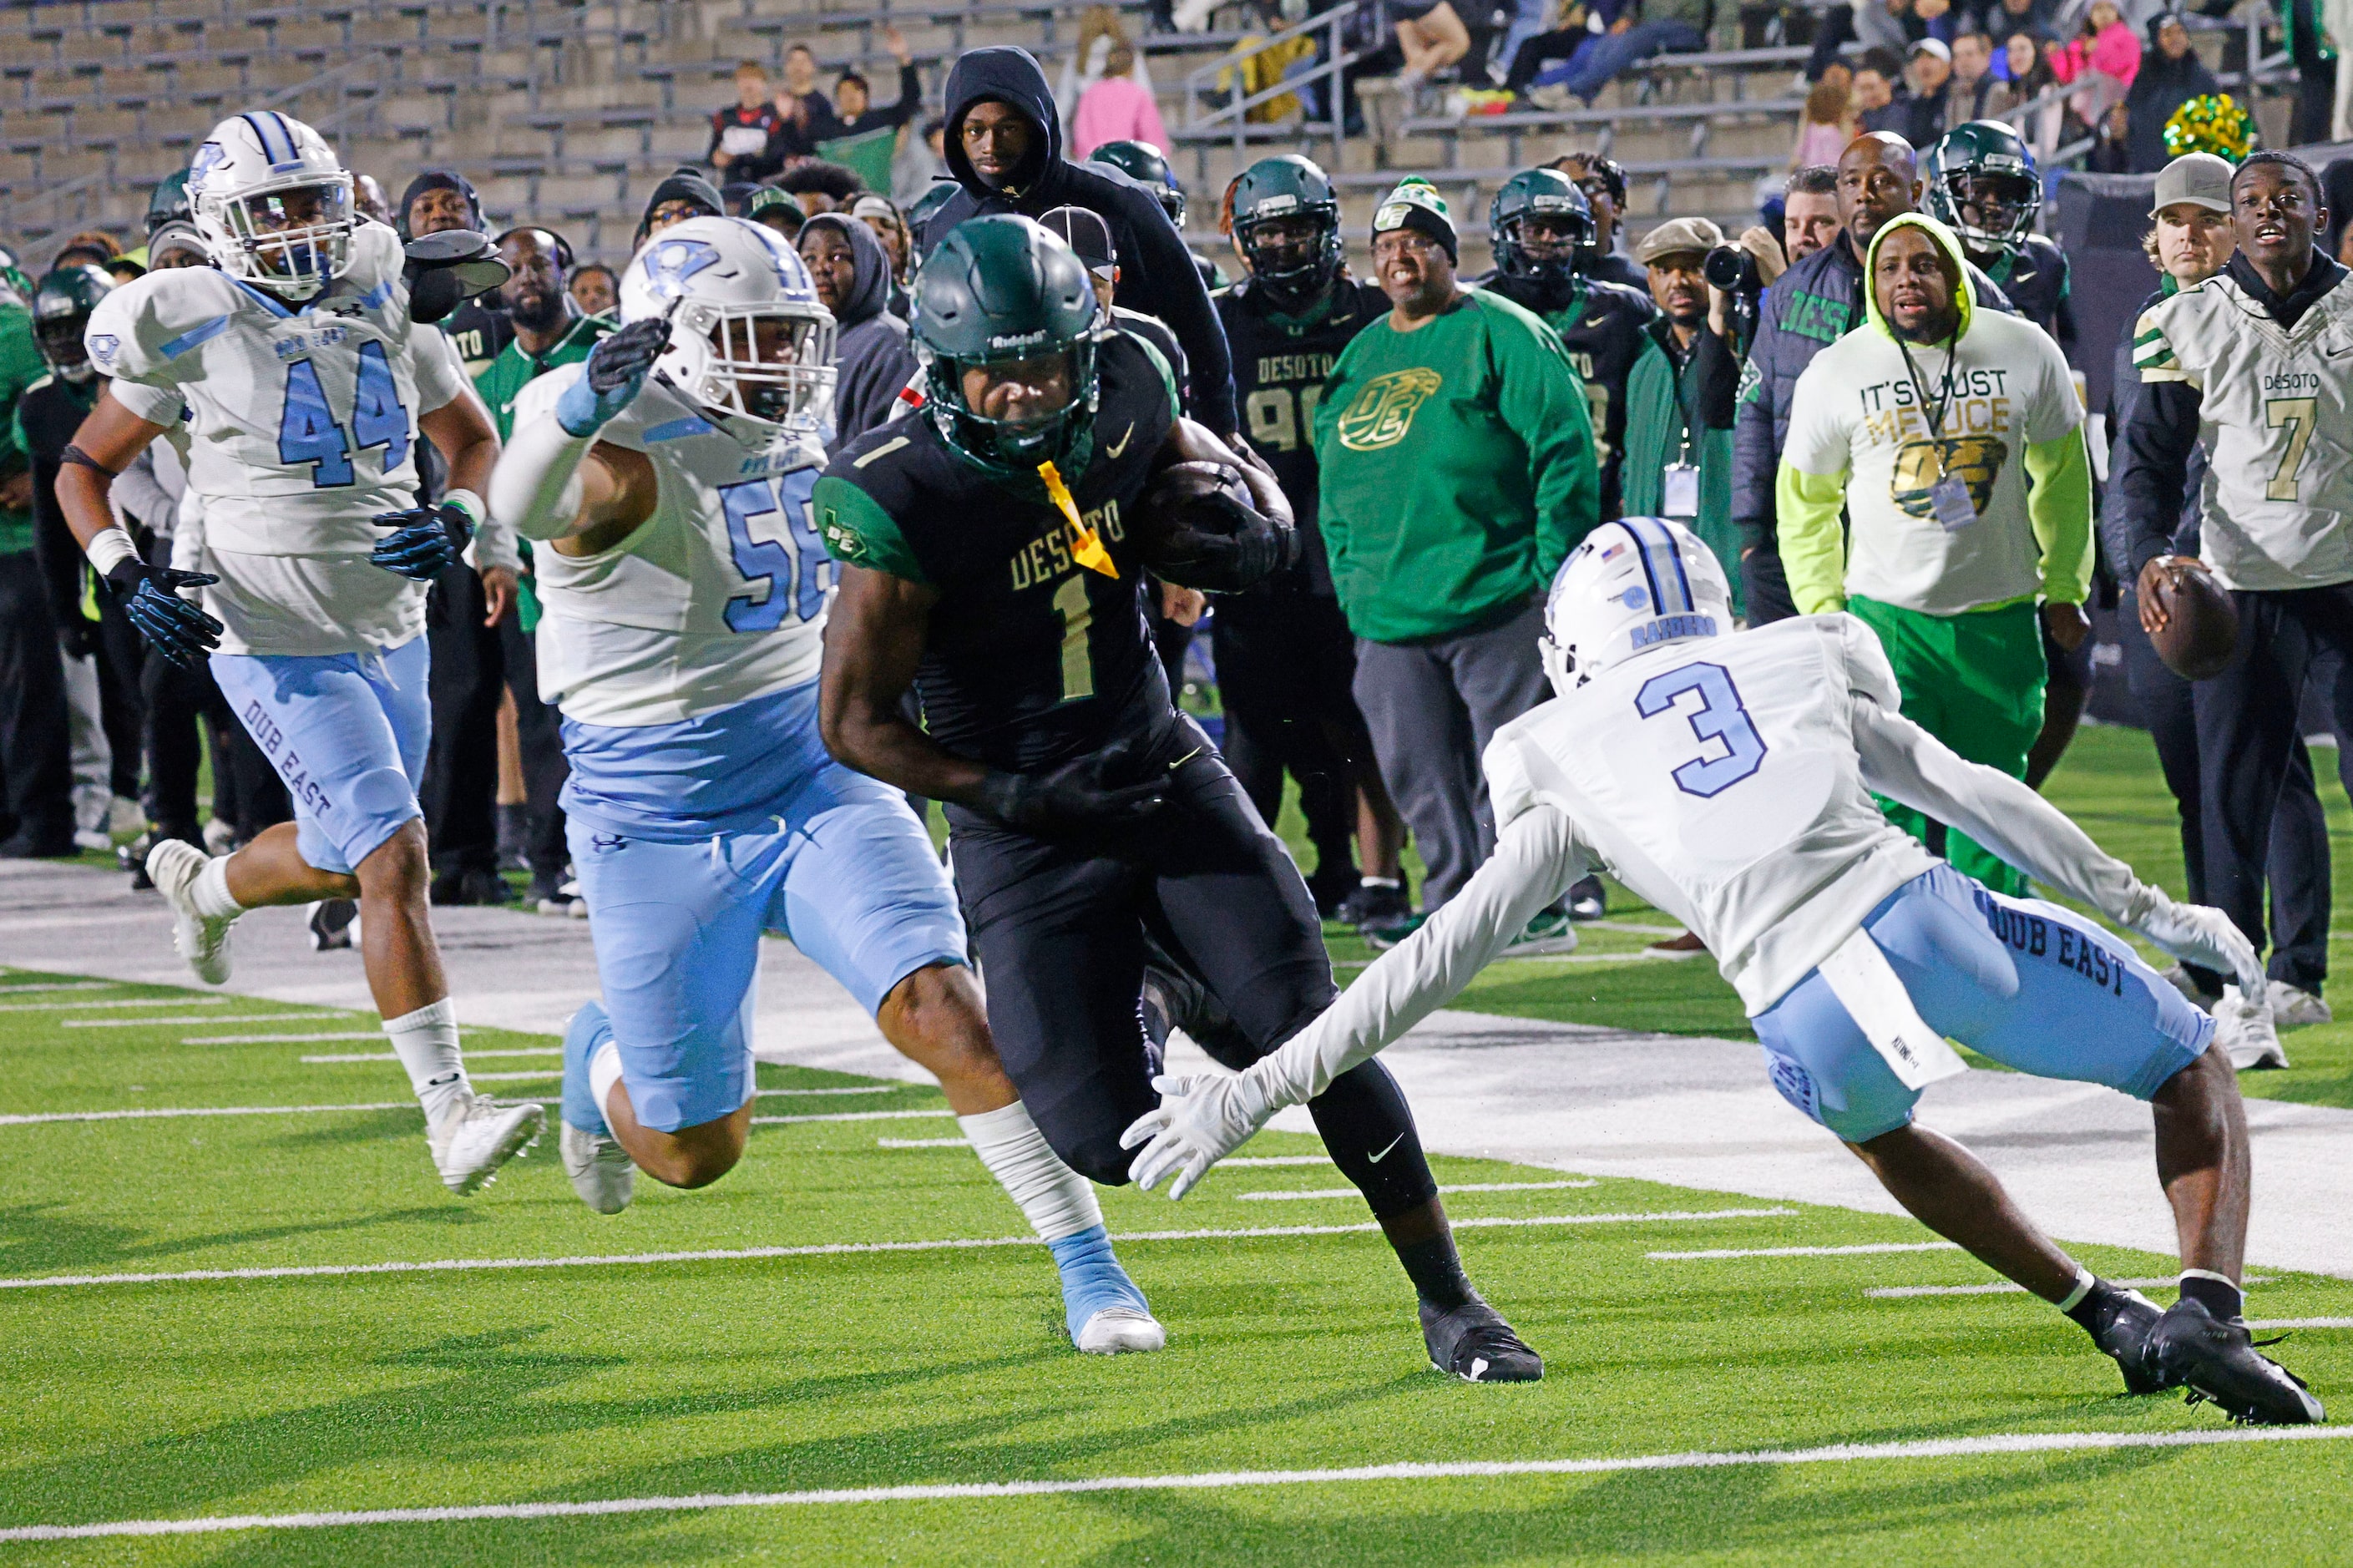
(1818, 301)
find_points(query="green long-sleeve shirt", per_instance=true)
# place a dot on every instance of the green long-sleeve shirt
(1457, 469)
(20, 366)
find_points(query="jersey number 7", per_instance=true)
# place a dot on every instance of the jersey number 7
(308, 431)
(1720, 717)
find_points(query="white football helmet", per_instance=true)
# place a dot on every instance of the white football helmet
(748, 338)
(1634, 584)
(273, 203)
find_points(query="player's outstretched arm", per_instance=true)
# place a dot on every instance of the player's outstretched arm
(557, 481)
(1202, 1120)
(104, 445)
(1190, 441)
(1907, 763)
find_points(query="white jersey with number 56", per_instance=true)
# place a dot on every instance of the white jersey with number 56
(301, 427)
(715, 599)
(1718, 778)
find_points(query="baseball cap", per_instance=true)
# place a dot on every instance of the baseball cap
(1678, 233)
(2194, 179)
(1936, 46)
(1087, 234)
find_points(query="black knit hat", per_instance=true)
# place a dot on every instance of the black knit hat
(1416, 205)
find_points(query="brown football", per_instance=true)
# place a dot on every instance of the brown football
(1183, 502)
(2201, 626)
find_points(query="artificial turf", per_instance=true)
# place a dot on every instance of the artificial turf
(175, 1399)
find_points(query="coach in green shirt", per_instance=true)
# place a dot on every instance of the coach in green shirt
(1457, 472)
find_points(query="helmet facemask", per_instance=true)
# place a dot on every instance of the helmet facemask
(1293, 255)
(291, 236)
(1543, 245)
(60, 339)
(1993, 209)
(1047, 431)
(769, 364)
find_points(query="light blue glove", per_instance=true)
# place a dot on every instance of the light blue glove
(616, 373)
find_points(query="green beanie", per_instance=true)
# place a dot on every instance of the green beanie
(1416, 205)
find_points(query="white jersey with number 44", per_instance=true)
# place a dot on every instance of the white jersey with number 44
(1718, 778)
(715, 599)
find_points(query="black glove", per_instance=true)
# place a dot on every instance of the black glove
(1224, 545)
(617, 370)
(444, 270)
(181, 631)
(424, 540)
(1076, 793)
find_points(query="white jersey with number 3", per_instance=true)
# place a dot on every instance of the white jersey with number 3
(715, 599)
(301, 427)
(1718, 779)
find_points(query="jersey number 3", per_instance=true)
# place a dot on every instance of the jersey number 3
(308, 431)
(1720, 718)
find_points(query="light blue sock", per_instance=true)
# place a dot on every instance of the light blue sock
(1092, 1278)
(590, 1029)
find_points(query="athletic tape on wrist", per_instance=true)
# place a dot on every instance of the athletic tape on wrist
(467, 502)
(110, 548)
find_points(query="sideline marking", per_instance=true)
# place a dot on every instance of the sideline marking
(375, 1034)
(1808, 1251)
(844, 1115)
(2302, 1323)
(830, 1248)
(1466, 1187)
(203, 1019)
(1238, 1160)
(128, 1002)
(160, 1111)
(59, 985)
(2002, 1443)
(470, 1055)
(2003, 1287)
(923, 1142)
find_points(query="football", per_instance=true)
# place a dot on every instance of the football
(1183, 502)
(2201, 625)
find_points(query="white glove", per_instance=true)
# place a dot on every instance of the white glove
(2198, 935)
(1200, 1122)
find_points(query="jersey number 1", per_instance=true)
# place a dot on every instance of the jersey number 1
(1720, 717)
(308, 431)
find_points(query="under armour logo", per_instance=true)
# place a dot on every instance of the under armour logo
(605, 842)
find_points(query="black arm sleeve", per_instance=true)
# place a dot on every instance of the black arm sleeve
(911, 97)
(2158, 440)
(1167, 284)
(1719, 381)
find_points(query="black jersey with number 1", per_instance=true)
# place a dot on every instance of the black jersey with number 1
(1030, 659)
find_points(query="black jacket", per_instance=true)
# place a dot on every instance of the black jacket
(1156, 275)
(871, 360)
(2158, 87)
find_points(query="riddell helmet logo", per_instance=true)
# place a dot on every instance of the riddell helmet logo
(1383, 412)
(1018, 339)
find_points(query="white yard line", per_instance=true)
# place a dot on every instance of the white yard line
(833, 1248)
(1996, 1445)
(160, 1113)
(847, 1115)
(1858, 1251)
(391, 1057)
(59, 985)
(2004, 1288)
(201, 1019)
(539, 1076)
(923, 1142)
(377, 1033)
(1241, 1159)
(2302, 1324)
(1466, 1187)
(127, 1002)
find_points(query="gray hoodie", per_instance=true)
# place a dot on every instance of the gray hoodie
(871, 352)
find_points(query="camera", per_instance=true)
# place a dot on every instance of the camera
(1733, 269)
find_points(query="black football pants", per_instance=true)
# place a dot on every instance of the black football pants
(1285, 665)
(1059, 928)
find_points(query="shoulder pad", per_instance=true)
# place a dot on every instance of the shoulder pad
(141, 327)
(1867, 669)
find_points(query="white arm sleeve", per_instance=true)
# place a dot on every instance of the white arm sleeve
(1536, 857)
(536, 488)
(1903, 761)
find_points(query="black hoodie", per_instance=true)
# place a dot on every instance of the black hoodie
(1156, 275)
(871, 360)
(2158, 87)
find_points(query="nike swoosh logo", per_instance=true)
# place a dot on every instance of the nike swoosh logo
(1113, 450)
(1376, 1159)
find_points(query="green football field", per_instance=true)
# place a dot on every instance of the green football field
(848, 1352)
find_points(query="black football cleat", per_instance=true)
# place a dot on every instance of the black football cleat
(1473, 1343)
(2121, 1322)
(2216, 1359)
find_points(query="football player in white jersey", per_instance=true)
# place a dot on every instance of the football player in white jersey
(292, 365)
(1728, 780)
(685, 590)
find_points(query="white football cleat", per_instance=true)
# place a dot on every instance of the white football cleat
(2294, 1008)
(602, 1172)
(2244, 1031)
(471, 1143)
(1117, 1330)
(174, 865)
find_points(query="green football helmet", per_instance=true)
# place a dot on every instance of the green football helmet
(1147, 166)
(168, 202)
(1537, 224)
(1000, 292)
(61, 311)
(937, 194)
(1982, 184)
(1292, 263)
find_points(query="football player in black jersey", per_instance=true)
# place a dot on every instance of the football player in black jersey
(1286, 656)
(1542, 228)
(993, 557)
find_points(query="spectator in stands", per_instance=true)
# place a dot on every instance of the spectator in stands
(2170, 75)
(921, 164)
(807, 114)
(1570, 31)
(2030, 77)
(1625, 42)
(1927, 73)
(1117, 108)
(438, 201)
(1881, 95)
(743, 133)
(1430, 37)
(872, 360)
(682, 195)
(368, 197)
(1816, 302)
(1810, 214)
(1603, 180)
(820, 186)
(1974, 92)
(2100, 62)
(1005, 148)
(1828, 122)
(862, 137)
(2007, 18)
(775, 209)
(1889, 25)
(881, 215)
(36, 819)
(594, 288)
(1484, 490)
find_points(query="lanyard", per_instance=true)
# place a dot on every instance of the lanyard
(1933, 412)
